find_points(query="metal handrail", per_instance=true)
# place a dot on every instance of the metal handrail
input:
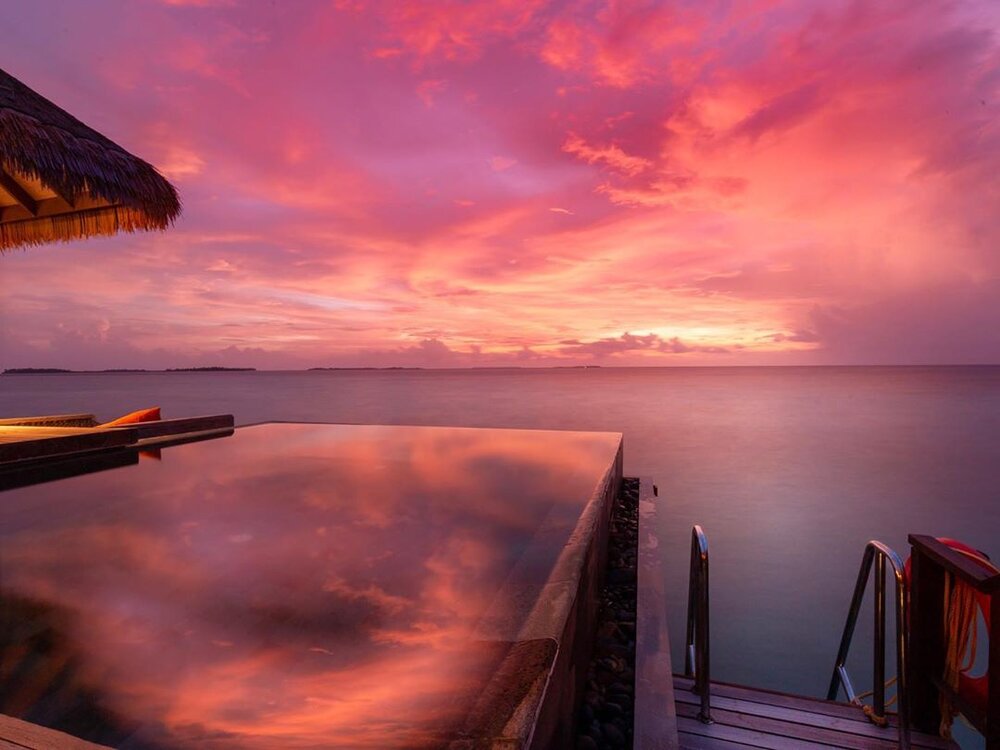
(877, 553)
(696, 655)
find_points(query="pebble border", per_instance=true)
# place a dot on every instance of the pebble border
(605, 718)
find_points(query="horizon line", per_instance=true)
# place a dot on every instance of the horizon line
(216, 369)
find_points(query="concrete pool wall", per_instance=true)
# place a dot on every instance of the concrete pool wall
(585, 562)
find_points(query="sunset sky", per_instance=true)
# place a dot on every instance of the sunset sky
(517, 182)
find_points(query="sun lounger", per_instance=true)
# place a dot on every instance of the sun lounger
(49, 437)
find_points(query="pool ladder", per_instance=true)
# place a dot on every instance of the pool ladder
(696, 655)
(877, 554)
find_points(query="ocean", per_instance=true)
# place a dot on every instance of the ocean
(789, 470)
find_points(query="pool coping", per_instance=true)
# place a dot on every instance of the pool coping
(655, 722)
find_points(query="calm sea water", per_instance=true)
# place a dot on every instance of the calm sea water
(790, 470)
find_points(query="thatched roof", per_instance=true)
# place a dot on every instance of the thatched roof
(61, 180)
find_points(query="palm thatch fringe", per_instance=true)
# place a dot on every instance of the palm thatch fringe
(73, 166)
(41, 141)
(73, 226)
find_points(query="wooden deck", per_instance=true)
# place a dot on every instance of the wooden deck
(753, 718)
(46, 438)
(34, 454)
(23, 443)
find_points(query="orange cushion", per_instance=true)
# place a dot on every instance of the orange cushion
(143, 415)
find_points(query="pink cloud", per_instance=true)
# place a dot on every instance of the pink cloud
(564, 45)
(455, 30)
(427, 90)
(627, 343)
(706, 172)
(501, 163)
(611, 156)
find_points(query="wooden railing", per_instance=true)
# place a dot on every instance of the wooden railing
(931, 560)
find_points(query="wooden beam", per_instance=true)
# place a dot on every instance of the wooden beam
(49, 207)
(69, 199)
(992, 730)
(958, 564)
(18, 193)
(927, 642)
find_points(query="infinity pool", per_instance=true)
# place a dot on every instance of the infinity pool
(292, 585)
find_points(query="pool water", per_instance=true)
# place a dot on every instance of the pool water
(290, 586)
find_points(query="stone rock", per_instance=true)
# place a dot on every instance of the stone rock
(605, 718)
(620, 650)
(613, 735)
(611, 710)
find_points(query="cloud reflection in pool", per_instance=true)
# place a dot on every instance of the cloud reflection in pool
(291, 586)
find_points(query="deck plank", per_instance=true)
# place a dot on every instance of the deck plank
(51, 420)
(773, 698)
(763, 719)
(683, 685)
(698, 742)
(792, 730)
(766, 740)
(860, 726)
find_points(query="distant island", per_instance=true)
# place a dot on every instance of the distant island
(60, 371)
(63, 371)
(316, 369)
(33, 371)
(211, 369)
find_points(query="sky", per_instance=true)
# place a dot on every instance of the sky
(519, 182)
